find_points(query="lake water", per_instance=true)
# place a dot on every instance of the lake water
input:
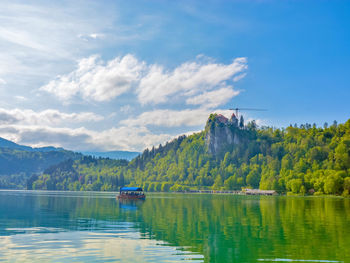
(95, 227)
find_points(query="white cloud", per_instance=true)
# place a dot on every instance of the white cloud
(259, 122)
(213, 99)
(94, 80)
(92, 36)
(173, 118)
(98, 81)
(20, 98)
(178, 118)
(189, 79)
(126, 109)
(2, 82)
(38, 39)
(205, 85)
(81, 139)
(21, 38)
(46, 117)
(129, 139)
(239, 77)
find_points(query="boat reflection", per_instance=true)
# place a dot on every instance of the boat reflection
(130, 205)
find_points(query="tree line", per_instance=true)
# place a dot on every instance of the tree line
(301, 159)
(17, 165)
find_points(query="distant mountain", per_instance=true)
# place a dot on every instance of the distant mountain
(118, 155)
(15, 161)
(19, 162)
(9, 144)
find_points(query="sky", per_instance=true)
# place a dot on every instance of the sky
(126, 75)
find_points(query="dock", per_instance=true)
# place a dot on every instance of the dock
(259, 192)
(236, 192)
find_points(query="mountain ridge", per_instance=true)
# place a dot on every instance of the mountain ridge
(127, 155)
(20, 164)
(10, 144)
(117, 155)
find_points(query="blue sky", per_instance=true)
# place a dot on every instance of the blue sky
(125, 75)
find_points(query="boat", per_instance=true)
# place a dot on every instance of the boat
(131, 193)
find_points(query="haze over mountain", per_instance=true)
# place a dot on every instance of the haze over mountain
(19, 162)
(9, 144)
(114, 155)
(109, 154)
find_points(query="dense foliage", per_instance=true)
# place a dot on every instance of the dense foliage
(298, 160)
(16, 165)
(86, 174)
(303, 159)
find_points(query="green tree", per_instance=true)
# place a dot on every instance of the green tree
(333, 184)
(218, 183)
(342, 156)
(253, 178)
(165, 187)
(295, 185)
(346, 186)
(241, 122)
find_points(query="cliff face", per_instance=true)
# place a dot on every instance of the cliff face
(221, 133)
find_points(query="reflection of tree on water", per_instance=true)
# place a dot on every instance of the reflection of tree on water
(223, 228)
(244, 229)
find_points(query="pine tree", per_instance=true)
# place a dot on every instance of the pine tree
(241, 122)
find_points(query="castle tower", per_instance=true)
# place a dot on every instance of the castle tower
(234, 120)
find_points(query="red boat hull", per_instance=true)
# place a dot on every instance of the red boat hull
(131, 197)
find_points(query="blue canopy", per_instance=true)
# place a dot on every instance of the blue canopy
(130, 189)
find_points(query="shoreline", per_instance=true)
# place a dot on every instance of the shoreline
(212, 192)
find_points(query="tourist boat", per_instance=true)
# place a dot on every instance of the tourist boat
(131, 193)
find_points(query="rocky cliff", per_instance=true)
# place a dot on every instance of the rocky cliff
(221, 133)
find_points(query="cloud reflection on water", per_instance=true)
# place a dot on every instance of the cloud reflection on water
(73, 246)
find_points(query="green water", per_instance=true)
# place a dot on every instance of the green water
(95, 227)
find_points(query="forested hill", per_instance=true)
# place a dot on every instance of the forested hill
(19, 162)
(226, 155)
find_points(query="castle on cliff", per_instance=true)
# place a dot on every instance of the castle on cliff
(222, 132)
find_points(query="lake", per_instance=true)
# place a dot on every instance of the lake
(94, 227)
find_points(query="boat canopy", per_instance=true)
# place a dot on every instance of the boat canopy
(125, 189)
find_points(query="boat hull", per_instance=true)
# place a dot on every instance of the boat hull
(131, 197)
